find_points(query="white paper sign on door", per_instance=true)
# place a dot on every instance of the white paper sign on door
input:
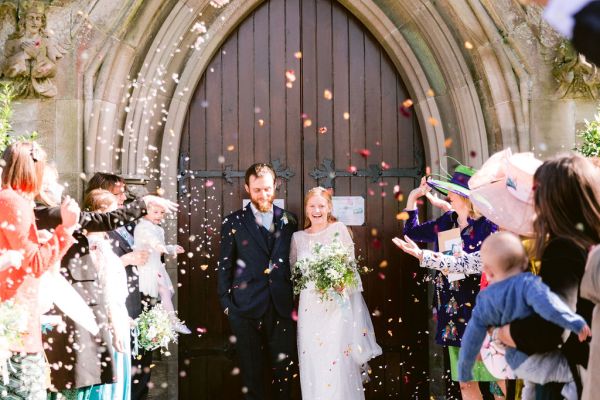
(349, 209)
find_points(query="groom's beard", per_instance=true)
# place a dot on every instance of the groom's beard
(263, 205)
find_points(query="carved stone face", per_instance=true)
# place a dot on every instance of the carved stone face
(34, 22)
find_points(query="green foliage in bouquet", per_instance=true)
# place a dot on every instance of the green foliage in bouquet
(590, 137)
(155, 329)
(7, 95)
(331, 267)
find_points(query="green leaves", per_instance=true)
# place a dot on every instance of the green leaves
(7, 94)
(590, 137)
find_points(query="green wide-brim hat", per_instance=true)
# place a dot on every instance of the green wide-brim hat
(458, 184)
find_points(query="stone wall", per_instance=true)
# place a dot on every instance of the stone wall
(489, 72)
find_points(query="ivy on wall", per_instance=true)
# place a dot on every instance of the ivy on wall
(7, 94)
(590, 137)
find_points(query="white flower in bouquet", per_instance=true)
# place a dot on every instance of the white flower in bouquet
(331, 267)
(155, 329)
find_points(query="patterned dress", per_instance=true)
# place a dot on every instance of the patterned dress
(453, 301)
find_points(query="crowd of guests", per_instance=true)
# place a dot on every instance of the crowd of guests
(77, 274)
(504, 303)
(499, 321)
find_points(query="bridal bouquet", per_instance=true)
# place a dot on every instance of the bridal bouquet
(13, 325)
(331, 267)
(154, 329)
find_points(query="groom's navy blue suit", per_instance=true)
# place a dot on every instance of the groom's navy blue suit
(256, 290)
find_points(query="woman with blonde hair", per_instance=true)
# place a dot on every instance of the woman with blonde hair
(455, 294)
(21, 182)
(335, 338)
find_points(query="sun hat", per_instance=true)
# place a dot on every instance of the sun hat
(459, 183)
(506, 198)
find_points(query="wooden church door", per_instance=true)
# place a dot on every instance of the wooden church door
(303, 84)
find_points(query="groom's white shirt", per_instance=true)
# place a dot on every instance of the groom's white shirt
(266, 218)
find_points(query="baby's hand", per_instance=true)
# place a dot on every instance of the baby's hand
(585, 333)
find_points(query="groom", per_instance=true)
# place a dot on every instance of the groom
(255, 285)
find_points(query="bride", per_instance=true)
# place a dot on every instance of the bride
(335, 337)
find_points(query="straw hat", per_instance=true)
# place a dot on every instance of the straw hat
(502, 191)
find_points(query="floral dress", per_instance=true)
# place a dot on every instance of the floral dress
(453, 301)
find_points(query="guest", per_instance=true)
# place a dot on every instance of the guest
(516, 294)
(92, 364)
(113, 280)
(590, 289)
(567, 224)
(122, 240)
(453, 301)
(21, 182)
(154, 279)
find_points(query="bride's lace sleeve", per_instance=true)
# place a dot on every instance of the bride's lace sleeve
(293, 251)
(345, 237)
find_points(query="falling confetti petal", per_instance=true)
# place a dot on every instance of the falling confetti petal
(385, 165)
(448, 142)
(298, 55)
(383, 264)
(364, 153)
(352, 169)
(327, 94)
(323, 130)
(430, 93)
(230, 147)
(468, 45)
(307, 123)
(432, 121)
(402, 216)
(346, 115)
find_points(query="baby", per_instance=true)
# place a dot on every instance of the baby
(514, 294)
(153, 278)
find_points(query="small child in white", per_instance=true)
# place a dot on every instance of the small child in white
(515, 294)
(153, 278)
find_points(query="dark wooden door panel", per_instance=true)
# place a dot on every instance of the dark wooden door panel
(344, 99)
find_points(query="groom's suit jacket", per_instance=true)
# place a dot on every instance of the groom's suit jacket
(254, 268)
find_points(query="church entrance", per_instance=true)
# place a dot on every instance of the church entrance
(304, 85)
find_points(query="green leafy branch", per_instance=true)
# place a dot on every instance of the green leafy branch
(590, 137)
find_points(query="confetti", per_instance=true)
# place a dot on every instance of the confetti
(404, 111)
(430, 93)
(352, 169)
(307, 123)
(448, 142)
(298, 55)
(230, 147)
(290, 76)
(209, 183)
(323, 130)
(432, 121)
(364, 153)
(381, 276)
(385, 166)
(204, 267)
(261, 122)
(383, 264)
(468, 45)
(327, 94)
(402, 216)
(346, 115)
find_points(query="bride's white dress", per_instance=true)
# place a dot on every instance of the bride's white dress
(335, 337)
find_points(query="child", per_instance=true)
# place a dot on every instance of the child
(515, 294)
(153, 278)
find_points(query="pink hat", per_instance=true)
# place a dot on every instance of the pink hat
(503, 191)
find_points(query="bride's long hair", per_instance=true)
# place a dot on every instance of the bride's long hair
(324, 193)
